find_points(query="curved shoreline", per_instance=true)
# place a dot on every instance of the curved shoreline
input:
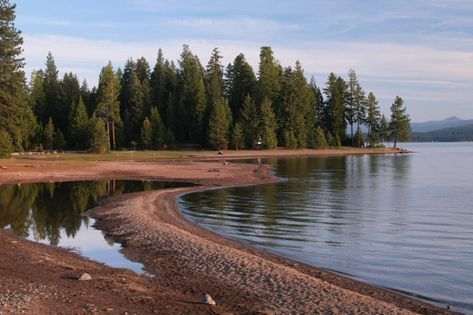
(376, 300)
(189, 259)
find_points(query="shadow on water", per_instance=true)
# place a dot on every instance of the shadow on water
(53, 213)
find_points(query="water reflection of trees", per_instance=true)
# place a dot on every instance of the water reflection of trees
(324, 200)
(47, 209)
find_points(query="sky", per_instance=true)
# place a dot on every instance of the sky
(421, 50)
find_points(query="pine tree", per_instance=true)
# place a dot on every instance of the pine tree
(336, 92)
(59, 140)
(373, 119)
(250, 122)
(146, 134)
(318, 104)
(159, 92)
(219, 125)
(37, 96)
(215, 87)
(399, 126)
(268, 125)
(16, 117)
(49, 134)
(238, 141)
(290, 140)
(214, 77)
(159, 131)
(69, 94)
(99, 140)
(297, 113)
(240, 81)
(51, 91)
(330, 139)
(320, 141)
(6, 146)
(384, 129)
(79, 124)
(144, 75)
(108, 105)
(193, 110)
(269, 74)
(359, 140)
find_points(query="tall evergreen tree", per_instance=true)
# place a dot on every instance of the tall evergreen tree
(384, 129)
(146, 134)
(79, 126)
(240, 81)
(250, 122)
(69, 95)
(400, 125)
(159, 92)
(171, 97)
(144, 75)
(297, 113)
(237, 140)
(219, 125)
(108, 104)
(269, 75)
(51, 91)
(355, 110)
(99, 140)
(16, 116)
(318, 103)
(267, 125)
(37, 96)
(373, 119)
(193, 109)
(336, 93)
(159, 131)
(320, 140)
(49, 134)
(125, 99)
(214, 77)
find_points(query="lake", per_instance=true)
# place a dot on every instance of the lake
(403, 222)
(54, 214)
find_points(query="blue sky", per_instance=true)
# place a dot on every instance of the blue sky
(421, 50)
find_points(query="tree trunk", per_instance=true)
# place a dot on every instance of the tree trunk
(352, 139)
(113, 136)
(395, 141)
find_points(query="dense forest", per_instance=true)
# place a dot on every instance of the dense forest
(183, 104)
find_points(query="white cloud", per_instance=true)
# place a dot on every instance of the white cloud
(421, 74)
(369, 59)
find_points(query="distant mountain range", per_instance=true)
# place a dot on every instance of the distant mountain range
(450, 122)
(453, 134)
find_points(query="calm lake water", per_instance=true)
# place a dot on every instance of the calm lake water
(404, 222)
(53, 213)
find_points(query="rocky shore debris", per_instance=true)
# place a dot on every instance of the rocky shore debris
(207, 299)
(84, 277)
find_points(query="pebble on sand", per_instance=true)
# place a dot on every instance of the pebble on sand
(84, 277)
(207, 299)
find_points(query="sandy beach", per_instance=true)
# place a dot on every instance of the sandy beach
(186, 260)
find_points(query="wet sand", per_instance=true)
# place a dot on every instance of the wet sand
(186, 260)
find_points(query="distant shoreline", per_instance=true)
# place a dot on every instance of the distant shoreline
(187, 259)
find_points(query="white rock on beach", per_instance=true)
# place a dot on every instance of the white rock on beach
(84, 277)
(207, 299)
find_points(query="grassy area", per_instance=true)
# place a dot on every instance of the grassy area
(115, 155)
(185, 154)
